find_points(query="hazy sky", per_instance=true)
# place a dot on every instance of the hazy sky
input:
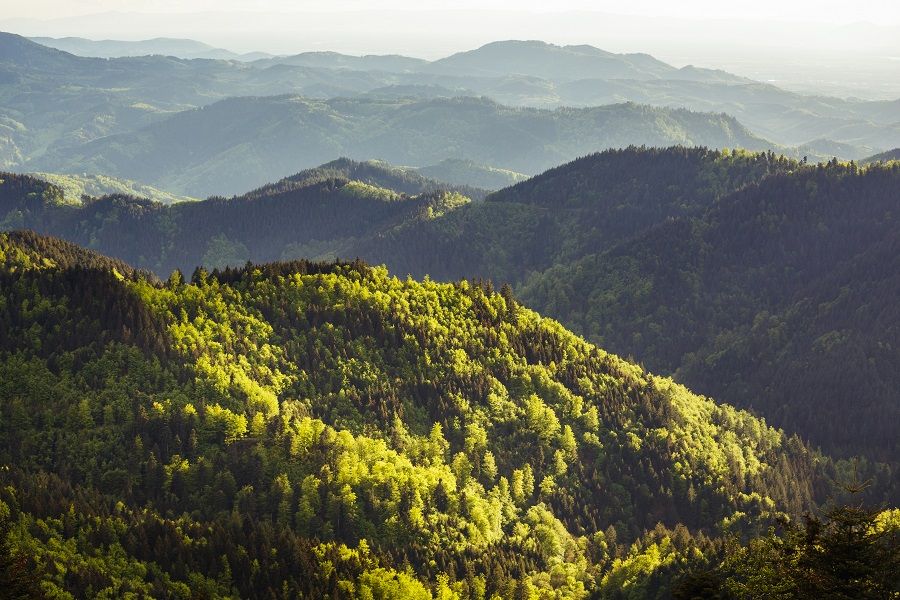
(836, 11)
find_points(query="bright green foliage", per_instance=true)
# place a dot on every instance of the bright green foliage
(76, 187)
(303, 428)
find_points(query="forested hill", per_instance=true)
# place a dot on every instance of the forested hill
(316, 429)
(346, 208)
(781, 297)
(572, 210)
(240, 143)
(317, 213)
(884, 156)
(404, 180)
(757, 279)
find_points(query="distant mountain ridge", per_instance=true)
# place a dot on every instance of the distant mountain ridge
(241, 143)
(178, 47)
(54, 104)
(560, 63)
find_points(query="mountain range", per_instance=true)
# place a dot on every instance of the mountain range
(180, 48)
(557, 323)
(56, 105)
(729, 270)
(196, 152)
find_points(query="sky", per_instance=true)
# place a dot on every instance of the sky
(835, 11)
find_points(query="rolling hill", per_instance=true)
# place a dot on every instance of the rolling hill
(181, 48)
(75, 187)
(53, 103)
(242, 143)
(312, 429)
(883, 157)
(749, 276)
(467, 172)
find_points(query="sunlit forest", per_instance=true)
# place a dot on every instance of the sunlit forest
(424, 301)
(329, 429)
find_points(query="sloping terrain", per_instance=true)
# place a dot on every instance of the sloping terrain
(303, 428)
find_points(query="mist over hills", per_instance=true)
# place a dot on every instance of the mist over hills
(245, 142)
(54, 104)
(181, 48)
(561, 63)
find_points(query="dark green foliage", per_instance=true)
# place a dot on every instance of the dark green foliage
(850, 553)
(311, 429)
(318, 213)
(779, 297)
(755, 279)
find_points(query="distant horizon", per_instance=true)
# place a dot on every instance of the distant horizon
(852, 58)
(417, 33)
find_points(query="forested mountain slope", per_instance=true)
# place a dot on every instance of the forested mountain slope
(317, 213)
(347, 208)
(570, 211)
(319, 429)
(884, 156)
(781, 297)
(759, 280)
(403, 180)
(241, 143)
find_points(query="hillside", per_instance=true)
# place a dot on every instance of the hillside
(753, 278)
(883, 157)
(319, 213)
(346, 208)
(241, 143)
(303, 428)
(761, 281)
(466, 172)
(570, 211)
(75, 187)
(53, 105)
(778, 298)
